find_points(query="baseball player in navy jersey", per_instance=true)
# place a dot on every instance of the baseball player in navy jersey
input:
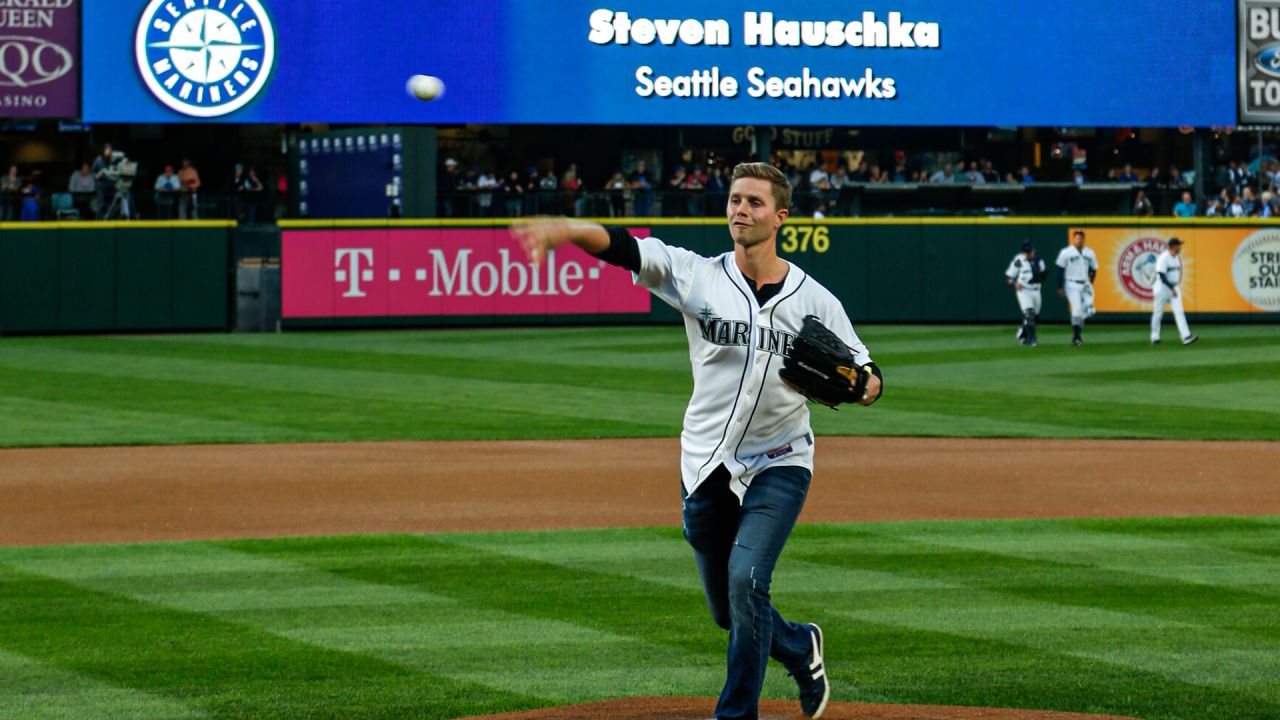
(746, 447)
(1024, 273)
(1165, 290)
(1077, 267)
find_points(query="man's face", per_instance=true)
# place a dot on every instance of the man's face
(752, 212)
(1186, 198)
(1175, 249)
(1078, 241)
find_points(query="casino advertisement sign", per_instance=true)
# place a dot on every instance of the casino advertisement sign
(1225, 270)
(39, 58)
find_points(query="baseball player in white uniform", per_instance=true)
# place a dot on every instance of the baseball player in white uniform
(1077, 268)
(746, 447)
(1165, 291)
(1025, 272)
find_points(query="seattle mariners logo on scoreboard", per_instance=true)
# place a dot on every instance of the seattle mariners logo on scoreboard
(1137, 267)
(205, 58)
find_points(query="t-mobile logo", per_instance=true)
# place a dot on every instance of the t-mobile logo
(353, 273)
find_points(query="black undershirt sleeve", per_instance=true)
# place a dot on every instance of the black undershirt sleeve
(623, 250)
(875, 370)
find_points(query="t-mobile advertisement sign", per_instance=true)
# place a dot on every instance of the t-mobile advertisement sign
(40, 58)
(429, 271)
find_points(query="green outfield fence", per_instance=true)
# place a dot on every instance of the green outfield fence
(157, 276)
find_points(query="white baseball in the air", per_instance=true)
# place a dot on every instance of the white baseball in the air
(425, 87)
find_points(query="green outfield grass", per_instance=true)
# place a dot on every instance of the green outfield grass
(1158, 619)
(615, 382)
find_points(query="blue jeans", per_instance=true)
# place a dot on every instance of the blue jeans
(737, 547)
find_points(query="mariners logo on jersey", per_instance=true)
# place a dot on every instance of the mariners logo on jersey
(1137, 267)
(205, 58)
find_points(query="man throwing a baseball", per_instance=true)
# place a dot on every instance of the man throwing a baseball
(761, 332)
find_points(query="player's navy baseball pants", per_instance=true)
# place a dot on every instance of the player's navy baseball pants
(737, 547)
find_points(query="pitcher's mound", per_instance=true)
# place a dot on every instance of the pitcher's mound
(673, 708)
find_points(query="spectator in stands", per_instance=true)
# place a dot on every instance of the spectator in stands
(1142, 205)
(920, 177)
(248, 196)
(485, 185)
(1176, 181)
(105, 185)
(1155, 181)
(1232, 207)
(1266, 208)
(640, 181)
(10, 194)
(570, 190)
(819, 178)
(973, 175)
(447, 187)
(189, 204)
(1186, 207)
(82, 188)
(1077, 176)
(696, 186)
(1024, 175)
(31, 198)
(1128, 175)
(547, 186)
(899, 173)
(467, 191)
(1213, 206)
(717, 193)
(1237, 175)
(1249, 202)
(945, 176)
(840, 177)
(989, 172)
(672, 205)
(876, 177)
(862, 174)
(616, 190)
(168, 189)
(513, 192)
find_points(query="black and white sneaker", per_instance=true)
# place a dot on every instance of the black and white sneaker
(1190, 339)
(1077, 341)
(815, 689)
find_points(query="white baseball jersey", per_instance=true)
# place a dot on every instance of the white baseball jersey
(741, 414)
(1021, 270)
(1077, 263)
(1170, 266)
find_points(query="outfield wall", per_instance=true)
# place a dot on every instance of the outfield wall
(114, 276)
(151, 276)
(405, 273)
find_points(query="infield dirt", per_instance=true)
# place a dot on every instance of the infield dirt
(135, 494)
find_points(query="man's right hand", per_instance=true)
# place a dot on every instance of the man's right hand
(1062, 292)
(537, 235)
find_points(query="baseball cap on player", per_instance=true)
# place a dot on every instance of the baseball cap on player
(1026, 245)
(1174, 241)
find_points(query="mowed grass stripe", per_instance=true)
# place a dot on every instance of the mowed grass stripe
(584, 403)
(223, 669)
(410, 627)
(549, 383)
(34, 690)
(33, 422)
(519, 365)
(282, 415)
(912, 613)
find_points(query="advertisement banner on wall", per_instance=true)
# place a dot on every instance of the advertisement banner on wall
(420, 272)
(665, 62)
(1225, 269)
(40, 59)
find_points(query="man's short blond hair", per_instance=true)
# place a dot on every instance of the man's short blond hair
(765, 171)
